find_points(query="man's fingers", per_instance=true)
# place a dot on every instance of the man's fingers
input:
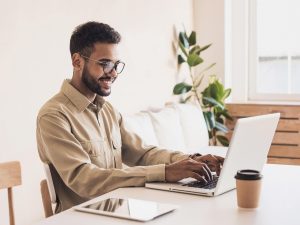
(197, 177)
(218, 170)
(220, 159)
(200, 168)
(207, 172)
(192, 168)
(214, 158)
(214, 162)
(191, 164)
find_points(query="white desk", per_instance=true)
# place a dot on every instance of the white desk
(279, 204)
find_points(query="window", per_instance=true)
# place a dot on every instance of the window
(274, 50)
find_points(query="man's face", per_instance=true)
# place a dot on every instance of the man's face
(93, 74)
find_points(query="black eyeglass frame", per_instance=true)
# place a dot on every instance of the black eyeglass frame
(104, 65)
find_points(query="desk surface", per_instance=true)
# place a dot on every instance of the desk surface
(279, 204)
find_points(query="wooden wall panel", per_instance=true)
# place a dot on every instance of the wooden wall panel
(285, 161)
(285, 138)
(285, 148)
(284, 151)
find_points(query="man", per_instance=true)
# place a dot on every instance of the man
(83, 138)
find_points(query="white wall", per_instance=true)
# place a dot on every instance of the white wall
(34, 60)
(209, 25)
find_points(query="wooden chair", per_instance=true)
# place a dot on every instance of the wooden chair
(10, 176)
(48, 192)
(46, 198)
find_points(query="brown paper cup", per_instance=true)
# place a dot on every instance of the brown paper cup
(248, 186)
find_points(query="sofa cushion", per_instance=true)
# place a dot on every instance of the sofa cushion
(193, 126)
(140, 123)
(168, 130)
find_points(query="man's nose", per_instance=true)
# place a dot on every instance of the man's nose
(113, 73)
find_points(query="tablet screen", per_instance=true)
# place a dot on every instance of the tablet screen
(129, 208)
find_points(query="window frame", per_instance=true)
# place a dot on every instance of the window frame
(241, 49)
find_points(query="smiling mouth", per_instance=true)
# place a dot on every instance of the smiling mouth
(107, 81)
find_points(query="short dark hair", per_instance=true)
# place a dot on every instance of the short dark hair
(86, 35)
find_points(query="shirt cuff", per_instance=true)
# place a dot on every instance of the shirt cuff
(156, 173)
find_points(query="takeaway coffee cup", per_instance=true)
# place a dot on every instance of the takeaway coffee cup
(248, 185)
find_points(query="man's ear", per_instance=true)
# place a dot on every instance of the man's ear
(77, 62)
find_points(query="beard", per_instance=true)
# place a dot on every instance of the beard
(94, 84)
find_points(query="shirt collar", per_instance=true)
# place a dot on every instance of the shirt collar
(79, 100)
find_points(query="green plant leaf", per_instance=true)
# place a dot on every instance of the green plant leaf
(183, 39)
(218, 110)
(218, 91)
(219, 119)
(226, 94)
(182, 49)
(205, 47)
(206, 93)
(180, 59)
(185, 35)
(192, 38)
(223, 140)
(213, 102)
(209, 120)
(221, 127)
(214, 91)
(195, 50)
(194, 60)
(181, 88)
(226, 114)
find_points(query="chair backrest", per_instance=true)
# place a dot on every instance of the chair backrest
(50, 183)
(10, 176)
(48, 192)
(46, 199)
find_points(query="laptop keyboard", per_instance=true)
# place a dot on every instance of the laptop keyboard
(201, 184)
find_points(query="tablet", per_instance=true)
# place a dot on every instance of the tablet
(127, 208)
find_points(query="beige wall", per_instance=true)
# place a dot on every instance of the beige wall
(34, 60)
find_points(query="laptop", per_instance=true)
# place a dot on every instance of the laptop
(248, 149)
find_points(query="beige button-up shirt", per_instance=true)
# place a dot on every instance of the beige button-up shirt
(85, 145)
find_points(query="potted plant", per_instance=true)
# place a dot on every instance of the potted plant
(212, 98)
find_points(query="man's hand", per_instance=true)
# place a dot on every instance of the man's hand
(214, 162)
(188, 168)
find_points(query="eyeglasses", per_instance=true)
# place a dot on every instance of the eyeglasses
(108, 66)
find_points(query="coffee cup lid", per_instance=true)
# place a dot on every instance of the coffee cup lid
(248, 175)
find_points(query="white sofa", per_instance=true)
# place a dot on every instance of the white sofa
(176, 127)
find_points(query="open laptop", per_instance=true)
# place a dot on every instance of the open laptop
(248, 149)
